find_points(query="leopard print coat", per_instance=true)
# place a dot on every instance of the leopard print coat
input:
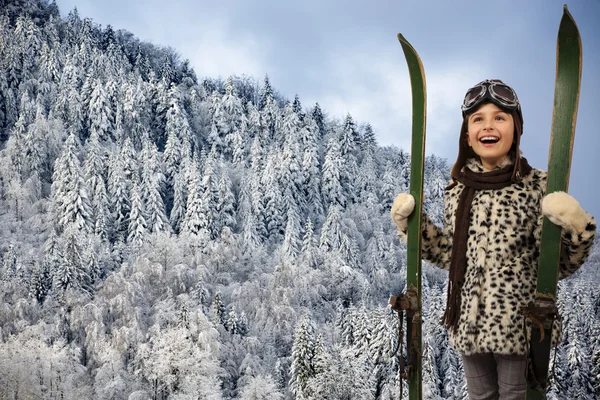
(502, 258)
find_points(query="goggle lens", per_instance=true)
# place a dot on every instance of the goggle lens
(493, 89)
(473, 95)
(503, 92)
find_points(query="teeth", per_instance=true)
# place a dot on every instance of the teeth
(489, 139)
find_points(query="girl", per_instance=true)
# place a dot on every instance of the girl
(493, 212)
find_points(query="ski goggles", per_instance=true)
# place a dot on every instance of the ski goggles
(493, 90)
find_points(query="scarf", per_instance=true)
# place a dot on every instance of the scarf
(473, 181)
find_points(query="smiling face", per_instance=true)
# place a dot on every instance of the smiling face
(490, 133)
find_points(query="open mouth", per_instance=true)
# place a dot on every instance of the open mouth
(489, 140)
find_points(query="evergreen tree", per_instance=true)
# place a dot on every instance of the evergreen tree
(271, 194)
(225, 207)
(349, 139)
(196, 220)
(177, 123)
(227, 118)
(309, 250)
(94, 174)
(152, 183)
(209, 195)
(331, 234)
(101, 118)
(257, 189)
(69, 191)
(291, 241)
(218, 309)
(71, 272)
(303, 351)
(266, 94)
(137, 223)
(318, 117)
(119, 189)
(270, 120)
(333, 193)
(297, 107)
(172, 159)
(40, 283)
(180, 194)
(311, 171)
(290, 175)
(391, 185)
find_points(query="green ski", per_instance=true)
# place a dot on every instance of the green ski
(411, 301)
(566, 100)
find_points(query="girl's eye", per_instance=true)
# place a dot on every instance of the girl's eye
(500, 118)
(477, 119)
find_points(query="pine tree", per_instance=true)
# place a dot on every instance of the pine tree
(266, 93)
(270, 121)
(152, 183)
(332, 190)
(257, 190)
(390, 185)
(137, 223)
(246, 218)
(291, 241)
(69, 191)
(227, 118)
(101, 118)
(35, 161)
(311, 170)
(177, 123)
(303, 351)
(196, 220)
(209, 195)
(367, 179)
(349, 139)
(232, 322)
(119, 189)
(309, 250)
(271, 194)
(71, 272)
(331, 235)
(218, 309)
(289, 172)
(94, 173)
(180, 195)
(297, 107)
(318, 117)
(225, 207)
(40, 283)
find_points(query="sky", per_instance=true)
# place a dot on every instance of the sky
(344, 54)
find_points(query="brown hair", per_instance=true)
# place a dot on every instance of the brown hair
(465, 151)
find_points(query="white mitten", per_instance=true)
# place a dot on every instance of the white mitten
(403, 206)
(563, 210)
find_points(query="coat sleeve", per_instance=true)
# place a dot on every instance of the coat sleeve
(575, 246)
(436, 242)
(575, 249)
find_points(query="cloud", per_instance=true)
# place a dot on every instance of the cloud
(215, 46)
(216, 51)
(373, 85)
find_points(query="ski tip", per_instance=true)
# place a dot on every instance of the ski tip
(567, 21)
(567, 14)
(404, 42)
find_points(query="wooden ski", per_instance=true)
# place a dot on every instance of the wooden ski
(413, 270)
(566, 101)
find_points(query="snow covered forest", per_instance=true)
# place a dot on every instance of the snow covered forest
(169, 237)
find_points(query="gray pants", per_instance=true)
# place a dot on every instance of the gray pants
(495, 376)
